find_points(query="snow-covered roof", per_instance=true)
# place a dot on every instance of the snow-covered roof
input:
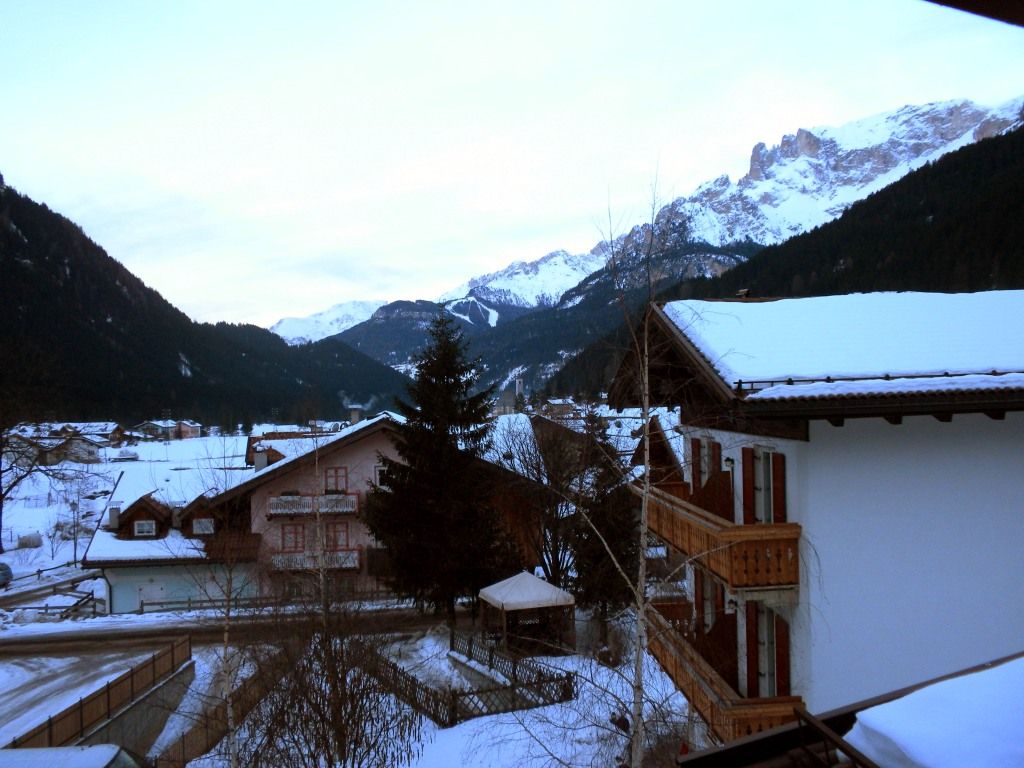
(524, 591)
(105, 547)
(299, 450)
(882, 387)
(869, 336)
(973, 719)
(95, 756)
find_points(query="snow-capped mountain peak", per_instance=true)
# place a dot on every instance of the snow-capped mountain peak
(340, 317)
(811, 177)
(537, 283)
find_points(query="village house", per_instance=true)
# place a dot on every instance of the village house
(159, 554)
(846, 475)
(169, 429)
(304, 504)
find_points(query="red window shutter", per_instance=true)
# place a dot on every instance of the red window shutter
(753, 683)
(778, 488)
(695, 462)
(698, 599)
(747, 455)
(716, 457)
(782, 687)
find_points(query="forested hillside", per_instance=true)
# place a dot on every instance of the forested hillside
(84, 338)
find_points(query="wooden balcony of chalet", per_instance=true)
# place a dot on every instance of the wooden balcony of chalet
(306, 505)
(743, 557)
(728, 715)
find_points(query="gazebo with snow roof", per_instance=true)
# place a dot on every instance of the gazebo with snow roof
(529, 614)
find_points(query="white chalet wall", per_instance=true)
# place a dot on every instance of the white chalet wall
(912, 552)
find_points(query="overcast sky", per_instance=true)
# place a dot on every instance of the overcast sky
(255, 160)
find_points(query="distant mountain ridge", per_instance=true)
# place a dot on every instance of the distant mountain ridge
(808, 179)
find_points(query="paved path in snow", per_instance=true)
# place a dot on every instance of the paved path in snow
(93, 634)
(33, 688)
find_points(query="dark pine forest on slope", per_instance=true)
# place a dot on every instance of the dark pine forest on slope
(84, 338)
(954, 225)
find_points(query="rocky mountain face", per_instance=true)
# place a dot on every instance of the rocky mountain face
(539, 283)
(811, 177)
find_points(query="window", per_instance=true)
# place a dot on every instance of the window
(336, 537)
(705, 461)
(767, 652)
(202, 526)
(764, 486)
(293, 538)
(145, 527)
(335, 479)
(380, 475)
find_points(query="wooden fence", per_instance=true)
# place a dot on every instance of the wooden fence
(530, 685)
(211, 726)
(74, 722)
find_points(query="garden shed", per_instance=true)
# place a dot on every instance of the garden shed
(529, 615)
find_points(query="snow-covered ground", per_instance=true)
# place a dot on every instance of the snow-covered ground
(575, 733)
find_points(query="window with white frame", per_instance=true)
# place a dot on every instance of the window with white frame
(202, 526)
(769, 486)
(145, 528)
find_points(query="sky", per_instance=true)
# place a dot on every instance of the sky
(253, 161)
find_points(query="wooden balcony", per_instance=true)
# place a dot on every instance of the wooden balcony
(744, 557)
(327, 504)
(346, 559)
(727, 714)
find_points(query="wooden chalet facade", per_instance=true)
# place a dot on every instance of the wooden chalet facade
(851, 506)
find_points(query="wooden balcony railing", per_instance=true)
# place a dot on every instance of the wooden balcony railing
(328, 504)
(727, 714)
(760, 556)
(310, 561)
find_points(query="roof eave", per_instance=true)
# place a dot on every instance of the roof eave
(866, 406)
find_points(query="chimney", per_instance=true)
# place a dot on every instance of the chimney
(115, 516)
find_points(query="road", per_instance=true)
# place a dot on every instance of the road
(36, 687)
(93, 634)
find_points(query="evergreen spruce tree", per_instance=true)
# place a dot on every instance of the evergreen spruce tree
(433, 510)
(606, 548)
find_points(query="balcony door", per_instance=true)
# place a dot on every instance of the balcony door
(764, 486)
(767, 652)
